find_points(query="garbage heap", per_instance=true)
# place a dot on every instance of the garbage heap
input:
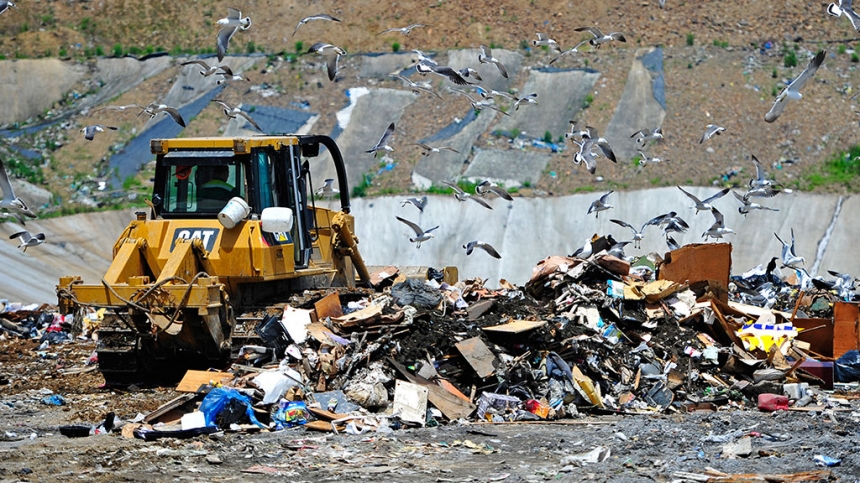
(583, 336)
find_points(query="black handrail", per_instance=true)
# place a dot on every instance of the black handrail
(336, 157)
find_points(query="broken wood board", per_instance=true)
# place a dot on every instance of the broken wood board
(359, 317)
(379, 276)
(453, 390)
(479, 308)
(516, 327)
(323, 426)
(451, 406)
(410, 402)
(478, 356)
(326, 415)
(698, 262)
(201, 382)
(328, 306)
(168, 406)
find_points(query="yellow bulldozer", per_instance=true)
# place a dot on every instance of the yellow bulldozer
(233, 225)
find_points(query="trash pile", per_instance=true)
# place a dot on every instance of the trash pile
(583, 336)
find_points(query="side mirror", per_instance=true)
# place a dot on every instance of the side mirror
(277, 220)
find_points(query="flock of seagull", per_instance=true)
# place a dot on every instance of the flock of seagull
(590, 146)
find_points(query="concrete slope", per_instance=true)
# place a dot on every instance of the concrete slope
(460, 59)
(642, 103)
(523, 231)
(23, 93)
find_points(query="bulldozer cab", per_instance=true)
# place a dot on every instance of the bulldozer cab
(196, 180)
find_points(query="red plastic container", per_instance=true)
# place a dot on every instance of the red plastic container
(772, 402)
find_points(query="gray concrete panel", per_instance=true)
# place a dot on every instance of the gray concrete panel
(383, 65)
(510, 167)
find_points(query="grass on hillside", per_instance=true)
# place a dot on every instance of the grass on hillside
(842, 171)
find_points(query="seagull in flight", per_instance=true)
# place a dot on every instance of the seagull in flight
(90, 131)
(233, 111)
(638, 235)
(486, 57)
(529, 99)
(419, 203)
(470, 72)
(718, 229)
(483, 246)
(10, 203)
(420, 235)
(207, 69)
(231, 24)
(543, 40)
(601, 38)
(760, 180)
(5, 4)
(599, 205)
(710, 131)
(319, 16)
(486, 187)
(154, 109)
(645, 159)
(749, 205)
(704, 205)
(463, 196)
(28, 240)
(644, 135)
(572, 50)
(587, 155)
(327, 189)
(427, 150)
(382, 145)
(403, 30)
(834, 9)
(789, 256)
(792, 90)
(332, 54)
(416, 88)
(228, 75)
(476, 105)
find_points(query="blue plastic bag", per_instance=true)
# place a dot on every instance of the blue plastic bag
(217, 399)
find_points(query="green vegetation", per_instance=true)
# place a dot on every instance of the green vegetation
(790, 59)
(86, 24)
(22, 169)
(587, 101)
(547, 137)
(300, 47)
(395, 47)
(250, 47)
(855, 58)
(445, 190)
(721, 43)
(360, 190)
(841, 49)
(773, 73)
(131, 182)
(691, 39)
(840, 171)
(117, 49)
(63, 53)
(100, 52)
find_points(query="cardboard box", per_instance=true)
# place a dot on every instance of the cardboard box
(700, 262)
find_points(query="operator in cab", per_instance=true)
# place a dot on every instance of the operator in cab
(216, 191)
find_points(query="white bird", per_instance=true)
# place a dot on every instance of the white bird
(233, 111)
(599, 205)
(319, 16)
(427, 150)
(327, 189)
(792, 90)
(483, 246)
(470, 72)
(90, 131)
(227, 75)
(446, 72)
(154, 109)
(617, 250)
(28, 240)
(383, 141)
(638, 235)
(789, 256)
(332, 54)
(486, 57)
(599, 37)
(10, 203)
(5, 4)
(760, 180)
(710, 131)
(486, 187)
(420, 235)
(207, 69)
(419, 203)
(645, 159)
(231, 24)
(579, 132)
(749, 205)
(463, 196)
(837, 10)
(645, 135)
(492, 94)
(584, 251)
(476, 105)
(543, 40)
(529, 99)
(705, 204)
(572, 50)
(718, 229)
(403, 30)
(416, 88)
(587, 155)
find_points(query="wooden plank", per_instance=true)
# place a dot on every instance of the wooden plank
(359, 317)
(479, 308)
(478, 356)
(328, 306)
(451, 406)
(201, 381)
(168, 406)
(326, 415)
(322, 426)
(516, 326)
(383, 274)
(846, 335)
(453, 390)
